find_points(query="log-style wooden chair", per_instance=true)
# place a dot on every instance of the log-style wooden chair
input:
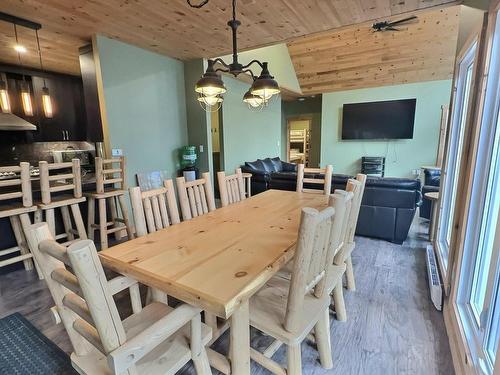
(288, 310)
(110, 189)
(16, 202)
(247, 177)
(231, 187)
(65, 179)
(325, 180)
(156, 339)
(154, 209)
(357, 187)
(195, 197)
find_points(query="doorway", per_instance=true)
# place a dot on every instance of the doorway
(217, 145)
(299, 140)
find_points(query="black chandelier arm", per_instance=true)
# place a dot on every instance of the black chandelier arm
(251, 73)
(204, 2)
(253, 62)
(220, 61)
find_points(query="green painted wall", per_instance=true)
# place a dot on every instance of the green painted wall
(198, 121)
(145, 105)
(402, 156)
(310, 107)
(247, 134)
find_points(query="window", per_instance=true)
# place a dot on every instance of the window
(478, 290)
(455, 146)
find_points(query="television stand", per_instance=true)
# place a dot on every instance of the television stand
(373, 166)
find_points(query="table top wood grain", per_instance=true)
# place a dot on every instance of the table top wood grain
(217, 260)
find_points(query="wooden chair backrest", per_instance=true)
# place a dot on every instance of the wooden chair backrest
(83, 297)
(17, 188)
(231, 188)
(110, 172)
(57, 177)
(154, 209)
(348, 199)
(195, 197)
(317, 241)
(326, 180)
(357, 187)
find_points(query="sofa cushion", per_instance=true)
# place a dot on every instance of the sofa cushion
(268, 165)
(256, 166)
(277, 164)
(290, 176)
(393, 182)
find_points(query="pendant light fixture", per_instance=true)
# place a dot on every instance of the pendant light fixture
(210, 87)
(25, 89)
(4, 96)
(46, 100)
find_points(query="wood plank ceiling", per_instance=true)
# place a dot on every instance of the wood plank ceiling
(356, 57)
(172, 28)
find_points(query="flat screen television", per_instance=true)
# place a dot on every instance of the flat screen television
(391, 119)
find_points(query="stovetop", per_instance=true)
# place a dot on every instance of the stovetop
(34, 172)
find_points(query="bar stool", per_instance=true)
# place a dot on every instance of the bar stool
(65, 178)
(16, 202)
(109, 172)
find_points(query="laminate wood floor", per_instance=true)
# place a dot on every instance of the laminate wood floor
(392, 326)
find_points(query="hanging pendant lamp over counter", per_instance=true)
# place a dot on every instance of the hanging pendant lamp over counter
(210, 87)
(25, 91)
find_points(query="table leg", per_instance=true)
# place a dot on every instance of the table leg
(240, 341)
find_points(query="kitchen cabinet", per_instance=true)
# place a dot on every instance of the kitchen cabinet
(69, 121)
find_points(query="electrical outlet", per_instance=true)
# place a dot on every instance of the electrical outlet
(117, 152)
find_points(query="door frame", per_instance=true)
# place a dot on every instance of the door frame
(308, 118)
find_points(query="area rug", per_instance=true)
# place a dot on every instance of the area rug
(25, 350)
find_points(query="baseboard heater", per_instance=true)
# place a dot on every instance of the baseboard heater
(435, 287)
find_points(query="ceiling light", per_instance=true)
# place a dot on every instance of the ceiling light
(253, 101)
(47, 103)
(46, 99)
(20, 49)
(4, 97)
(265, 86)
(26, 99)
(210, 87)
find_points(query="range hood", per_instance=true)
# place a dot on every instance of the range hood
(8, 121)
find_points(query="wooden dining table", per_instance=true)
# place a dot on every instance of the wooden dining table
(219, 260)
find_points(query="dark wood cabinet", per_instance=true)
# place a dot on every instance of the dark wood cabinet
(69, 121)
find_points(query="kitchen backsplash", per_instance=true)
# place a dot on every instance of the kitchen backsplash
(34, 152)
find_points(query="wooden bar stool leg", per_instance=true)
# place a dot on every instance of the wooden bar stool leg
(90, 217)
(103, 223)
(50, 218)
(114, 215)
(25, 225)
(124, 209)
(80, 226)
(351, 285)
(21, 241)
(68, 226)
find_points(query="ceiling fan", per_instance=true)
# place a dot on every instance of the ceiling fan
(389, 26)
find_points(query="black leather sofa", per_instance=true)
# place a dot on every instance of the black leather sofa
(387, 209)
(432, 179)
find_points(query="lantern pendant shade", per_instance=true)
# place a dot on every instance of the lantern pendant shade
(26, 99)
(253, 101)
(4, 98)
(47, 103)
(265, 86)
(210, 87)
